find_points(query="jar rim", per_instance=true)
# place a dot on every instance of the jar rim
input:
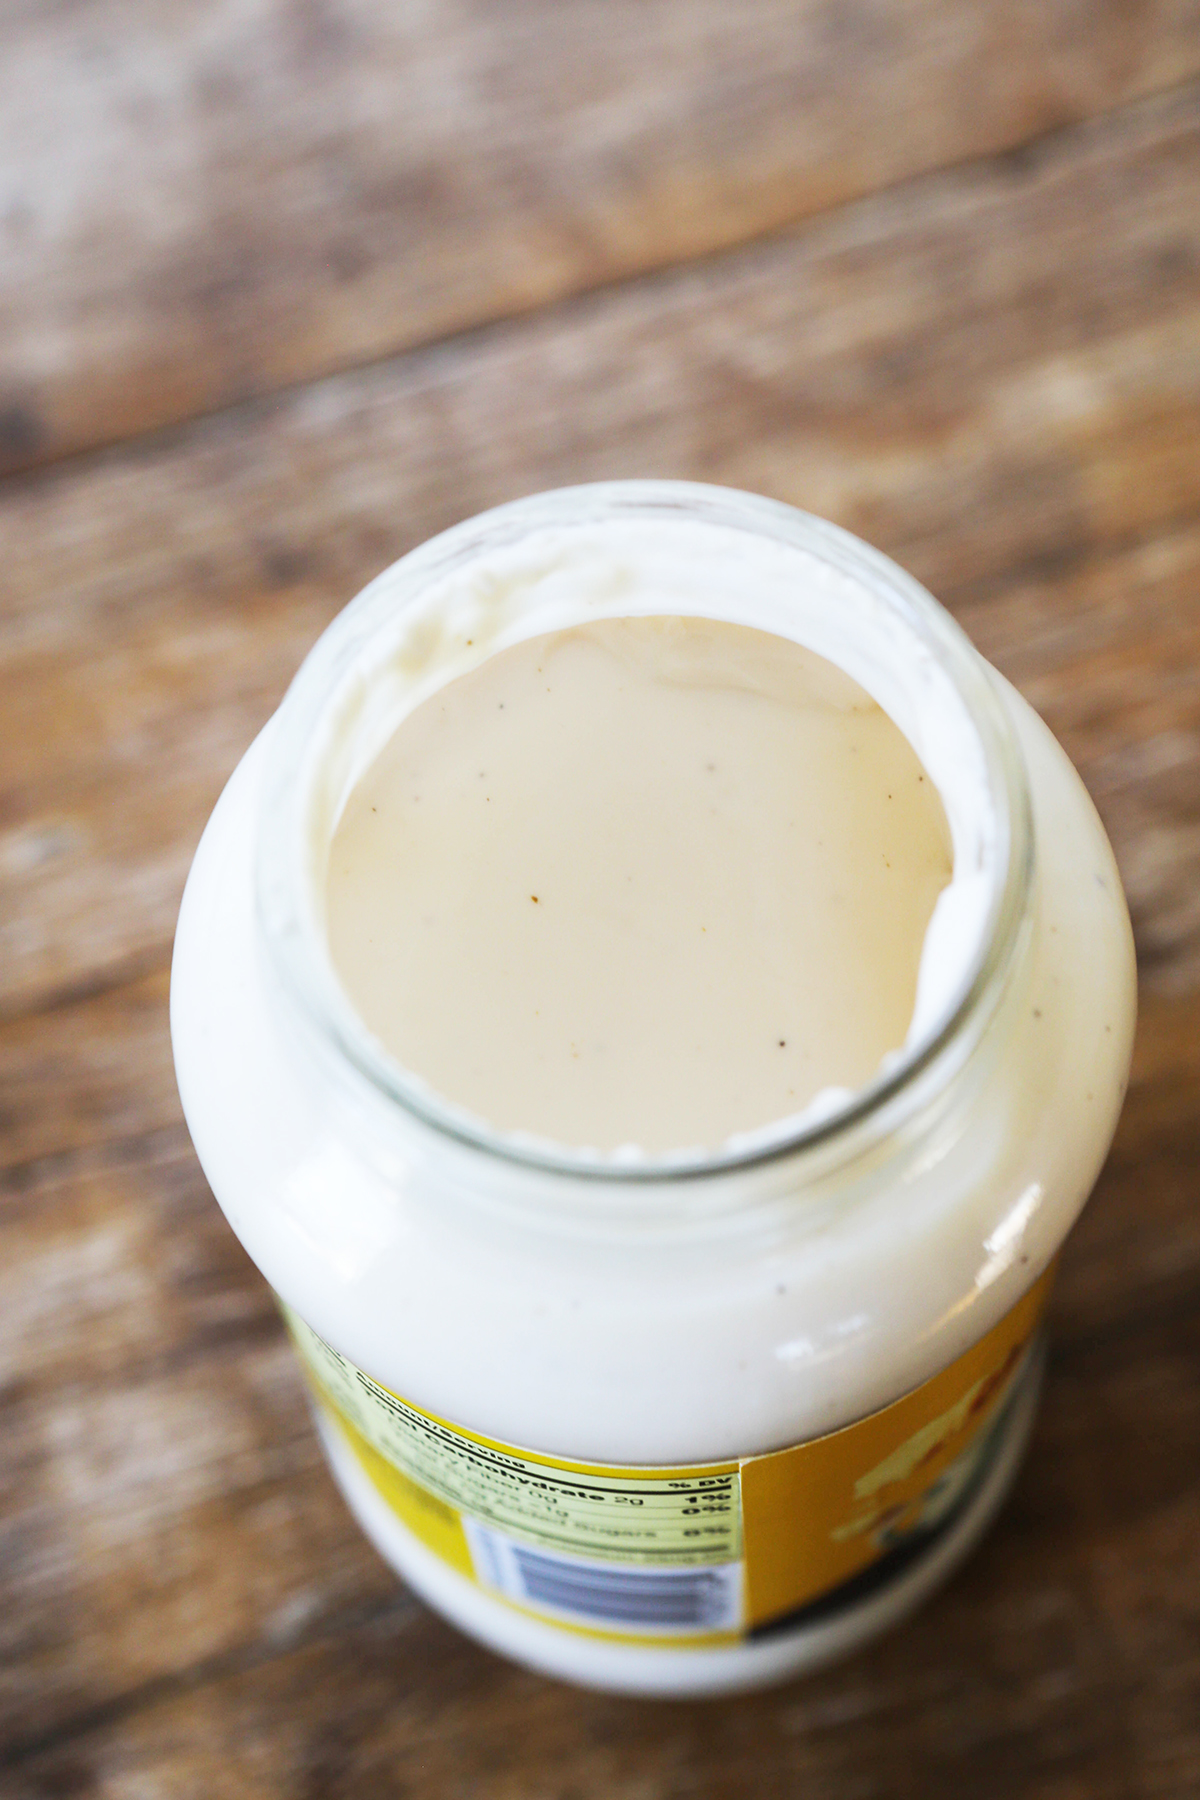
(288, 916)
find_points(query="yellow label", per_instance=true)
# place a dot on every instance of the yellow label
(681, 1555)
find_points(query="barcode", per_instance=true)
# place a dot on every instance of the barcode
(622, 1594)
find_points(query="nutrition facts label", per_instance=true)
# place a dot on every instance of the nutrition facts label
(662, 1518)
(683, 1554)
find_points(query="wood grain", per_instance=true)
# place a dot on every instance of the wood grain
(1109, 653)
(200, 203)
(942, 284)
(86, 1077)
(885, 368)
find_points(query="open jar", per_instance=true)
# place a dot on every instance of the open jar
(684, 1422)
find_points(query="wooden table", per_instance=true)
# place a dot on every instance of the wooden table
(285, 288)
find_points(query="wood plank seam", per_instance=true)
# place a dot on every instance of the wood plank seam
(133, 1149)
(124, 972)
(397, 1608)
(1023, 161)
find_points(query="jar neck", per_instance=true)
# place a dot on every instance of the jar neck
(540, 565)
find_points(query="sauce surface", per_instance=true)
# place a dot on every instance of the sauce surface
(648, 881)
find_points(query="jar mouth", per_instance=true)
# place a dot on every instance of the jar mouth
(425, 620)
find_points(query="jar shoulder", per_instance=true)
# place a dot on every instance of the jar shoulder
(592, 1352)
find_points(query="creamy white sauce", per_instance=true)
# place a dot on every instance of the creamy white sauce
(649, 881)
(566, 577)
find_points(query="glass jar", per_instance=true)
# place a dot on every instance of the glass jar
(694, 1422)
